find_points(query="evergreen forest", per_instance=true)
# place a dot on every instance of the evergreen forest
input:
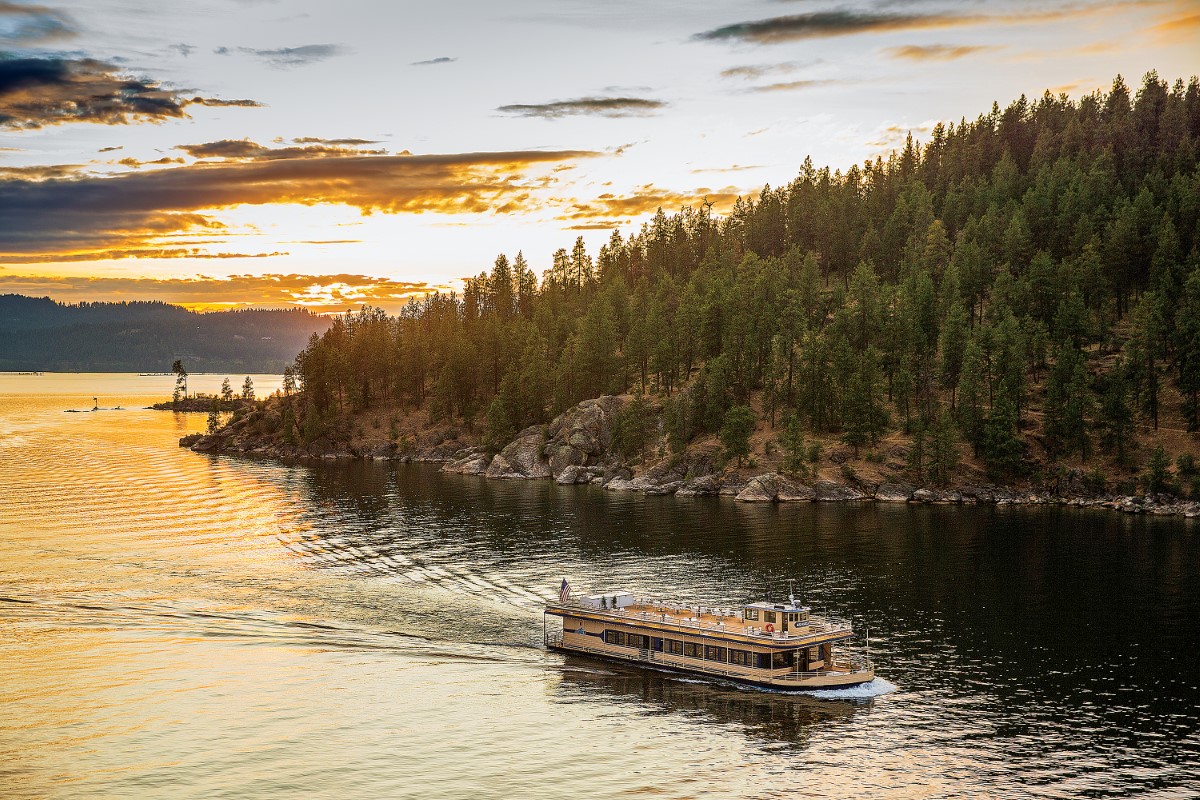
(1023, 289)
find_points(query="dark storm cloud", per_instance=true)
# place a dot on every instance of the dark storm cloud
(432, 61)
(36, 92)
(22, 24)
(76, 218)
(595, 106)
(288, 56)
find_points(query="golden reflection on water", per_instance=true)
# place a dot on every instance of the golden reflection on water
(173, 624)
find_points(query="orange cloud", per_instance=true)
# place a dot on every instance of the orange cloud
(1183, 28)
(92, 217)
(936, 52)
(586, 214)
(321, 293)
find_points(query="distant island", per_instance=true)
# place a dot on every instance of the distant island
(39, 334)
(1010, 310)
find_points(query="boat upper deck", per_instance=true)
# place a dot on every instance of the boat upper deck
(726, 623)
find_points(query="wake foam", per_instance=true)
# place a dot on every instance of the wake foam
(864, 691)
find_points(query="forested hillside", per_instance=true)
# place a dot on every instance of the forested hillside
(1023, 289)
(40, 334)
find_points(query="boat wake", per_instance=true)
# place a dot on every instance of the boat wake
(864, 691)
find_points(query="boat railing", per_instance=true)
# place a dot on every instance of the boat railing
(670, 615)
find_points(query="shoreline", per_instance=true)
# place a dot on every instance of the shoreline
(766, 487)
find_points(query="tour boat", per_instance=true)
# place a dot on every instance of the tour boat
(773, 645)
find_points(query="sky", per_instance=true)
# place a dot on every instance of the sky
(234, 153)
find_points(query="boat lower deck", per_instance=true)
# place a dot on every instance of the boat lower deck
(848, 672)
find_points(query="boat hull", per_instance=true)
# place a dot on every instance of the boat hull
(830, 679)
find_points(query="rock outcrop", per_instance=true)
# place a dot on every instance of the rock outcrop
(828, 490)
(894, 492)
(774, 488)
(522, 457)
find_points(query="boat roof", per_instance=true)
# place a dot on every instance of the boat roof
(790, 606)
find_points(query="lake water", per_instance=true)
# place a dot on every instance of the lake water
(182, 625)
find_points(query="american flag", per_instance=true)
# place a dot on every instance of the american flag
(564, 591)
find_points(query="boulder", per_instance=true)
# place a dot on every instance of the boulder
(773, 487)
(469, 463)
(669, 487)
(190, 439)
(573, 474)
(829, 490)
(705, 485)
(788, 492)
(581, 435)
(620, 485)
(894, 492)
(760, 489)
(521, 458)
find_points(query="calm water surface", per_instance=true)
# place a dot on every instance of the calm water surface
(181, 625)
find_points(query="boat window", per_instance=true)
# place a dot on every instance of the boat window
(691, 649)
(615, 637)
(675, 646)
(637, 640)
(737, 656)
(751, 613)
(778, 660)
(768, 616)
(656, 644)
(713, 653)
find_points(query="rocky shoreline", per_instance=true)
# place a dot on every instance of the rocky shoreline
(576, 448)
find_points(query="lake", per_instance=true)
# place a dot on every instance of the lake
(183, 625)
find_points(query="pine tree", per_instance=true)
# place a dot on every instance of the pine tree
(248, 389)
(1068, 404)
(735, 432)
(226, 392)
(214, 417)
(795, 449)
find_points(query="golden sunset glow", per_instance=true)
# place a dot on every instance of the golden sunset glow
(260, 163)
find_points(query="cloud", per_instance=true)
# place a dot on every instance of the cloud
(826, 24)
(792, 86)
(217, 103)
(892, 135)
(23, 25)
(111, 149)
(587, 214)
(936, 52)
(751, 72)
(830, 24)
(87, 216)
(731, 168)
(284, 57)
(336, 142)
(1178, 29)
(322, 293)
(596, 106)
(246, 150)
(38, 92)
(430, 62)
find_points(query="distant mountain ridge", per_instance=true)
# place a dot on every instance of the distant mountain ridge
(37, 333)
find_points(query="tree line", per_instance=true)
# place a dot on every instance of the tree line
(1035, 269)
